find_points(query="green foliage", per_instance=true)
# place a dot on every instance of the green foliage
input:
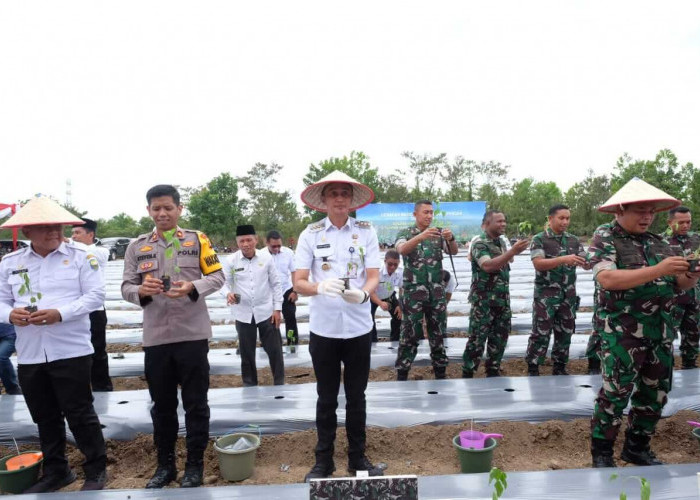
(425, 168)
(644, 486)
(26, 288)
(500, 482)
(529, 200)
(584, 198)
(173, 244)
(215, 209)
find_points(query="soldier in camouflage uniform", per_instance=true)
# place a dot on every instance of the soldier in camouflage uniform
(424, 290)
(555, 255)
(639, 277)
(684, 243)
(489, 296)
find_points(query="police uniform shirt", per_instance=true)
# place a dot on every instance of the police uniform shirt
(258, 284)
(166, 320)
(284, 263)
(324, 250)
(69, 281)
(389, 284)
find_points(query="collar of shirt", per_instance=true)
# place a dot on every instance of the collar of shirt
(61, 249)
(329, 225)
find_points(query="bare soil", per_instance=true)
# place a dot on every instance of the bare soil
(422, 450)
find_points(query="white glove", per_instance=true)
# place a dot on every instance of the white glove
(332, 287)
(355, 296)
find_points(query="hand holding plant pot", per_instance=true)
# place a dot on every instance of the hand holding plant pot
(694, 261)
(173, 244)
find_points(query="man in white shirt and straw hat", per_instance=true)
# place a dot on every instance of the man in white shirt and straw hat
(337, 261)
(639, 277)
(47, 290)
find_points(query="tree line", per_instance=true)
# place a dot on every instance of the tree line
(259, 197)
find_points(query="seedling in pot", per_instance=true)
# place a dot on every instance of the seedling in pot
(25, 289)
(525, 229)
(693, 260)
(500, 482)
(173, 244)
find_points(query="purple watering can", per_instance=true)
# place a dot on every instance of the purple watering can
(475, 439)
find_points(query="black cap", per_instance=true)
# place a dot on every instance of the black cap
(90, 225)
(245, 230)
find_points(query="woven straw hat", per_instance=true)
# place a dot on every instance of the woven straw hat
(638, 191)
(42, 210)
(361, 194)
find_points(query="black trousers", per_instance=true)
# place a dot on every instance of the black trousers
(327, 354)
(395, 321)
(271, 343)
(100, 365)
(57, 390)
(289, 313)
(167, 366)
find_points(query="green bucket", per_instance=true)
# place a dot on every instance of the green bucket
(475, 460)
(236, 465)
(696, 433)
(16, 481)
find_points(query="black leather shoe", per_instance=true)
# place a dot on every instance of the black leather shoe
(194, 476)
(559, 369)
(401, 375)
(533, 370)
(440, 373)
(320, 470)
(163, 476)
(469, 374)
(602, 453)
(637, 451)
(364, 464)
(95, 482)
(52, 482)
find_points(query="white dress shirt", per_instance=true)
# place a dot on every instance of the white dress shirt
(389, 283)
(284, 263)
(321, 243)
(256, 281)
(68, 280)
(100, 253)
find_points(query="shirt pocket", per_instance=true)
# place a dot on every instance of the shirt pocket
(325, 252)
(16, 282)
(189, 266)
(65, 274)
(632, 261)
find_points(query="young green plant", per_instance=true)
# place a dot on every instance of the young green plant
(25, 289)
(525, 228)
(500, 482)
(173, 244)
(644, 486)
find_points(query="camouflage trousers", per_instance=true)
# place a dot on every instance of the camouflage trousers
(688, 317)
(489, 326)
(422, 302)
(551, 314)
(593, 347)
(633, 368)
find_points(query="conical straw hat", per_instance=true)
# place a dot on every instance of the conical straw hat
(361, 194)
(42, 210)
(638, 191)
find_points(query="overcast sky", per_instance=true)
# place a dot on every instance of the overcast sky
(119, 96)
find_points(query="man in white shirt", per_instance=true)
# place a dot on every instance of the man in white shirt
(388, 293)
(283, 258)
(101, 382)
(254, 293)
(47, 290)
(337, 263)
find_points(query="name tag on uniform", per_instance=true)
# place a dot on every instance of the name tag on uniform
(240, 269)
(20, 271)
(325, 245)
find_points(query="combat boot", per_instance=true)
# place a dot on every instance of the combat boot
(559, 369)
(468, 374)
(440, 372)
(688, 364)
(365, 465)
(194, 475)
(637, 450)
(602, 453)
(493, 372)
(533, 370)
(320, 470)
(401, 375)
(593, 366)
(165, 472)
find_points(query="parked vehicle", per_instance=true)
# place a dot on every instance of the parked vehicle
(116, 246)
(6, 246)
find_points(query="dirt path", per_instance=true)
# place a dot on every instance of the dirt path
(422, 450)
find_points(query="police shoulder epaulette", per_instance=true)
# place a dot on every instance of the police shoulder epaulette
(315, 226)
(80, 247)
(364, 224)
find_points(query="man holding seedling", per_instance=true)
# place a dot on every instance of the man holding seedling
(48, 290)
(424, 291)
(337, 263)
(555, 255)
(254, 293)
(639, 276)
(489, 296)
(176, 329)
(387, 296)
(687, 244)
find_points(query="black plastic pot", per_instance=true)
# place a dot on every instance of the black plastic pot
(693, 263)
(166, 283)
(31, 309)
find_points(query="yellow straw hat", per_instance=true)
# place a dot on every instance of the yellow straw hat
(638, 191)
(42, 210)
(361, 194)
